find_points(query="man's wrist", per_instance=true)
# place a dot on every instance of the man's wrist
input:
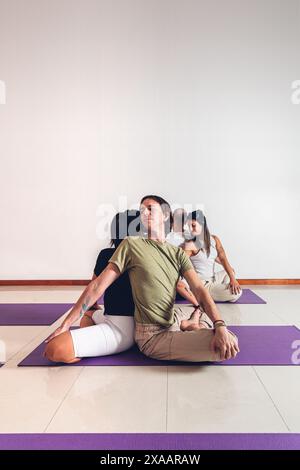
(221, 330)
(219, 324)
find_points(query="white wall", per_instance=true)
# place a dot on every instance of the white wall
(189, 99)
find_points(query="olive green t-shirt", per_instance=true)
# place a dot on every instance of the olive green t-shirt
(154, 269)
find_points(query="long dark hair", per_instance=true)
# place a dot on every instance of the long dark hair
(165, 207)
(201, 219)
(124, 224)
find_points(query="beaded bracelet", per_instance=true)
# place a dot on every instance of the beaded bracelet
(220, 325)
(220, 321)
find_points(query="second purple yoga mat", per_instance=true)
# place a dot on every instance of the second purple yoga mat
(260, 345)
(247, 297)
(46, 314)
(31, 314)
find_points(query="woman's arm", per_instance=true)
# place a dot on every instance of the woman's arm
(93, 291)
(234, 285)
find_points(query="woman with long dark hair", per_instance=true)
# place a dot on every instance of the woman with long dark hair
(205, 250)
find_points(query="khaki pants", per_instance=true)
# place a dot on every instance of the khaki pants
(218, 287)
(170, 343)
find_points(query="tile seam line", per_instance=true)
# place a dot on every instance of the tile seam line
(269, 395)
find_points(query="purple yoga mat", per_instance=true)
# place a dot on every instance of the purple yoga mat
(247, 297)
(259, 345)
(31, 314)
(151, 441)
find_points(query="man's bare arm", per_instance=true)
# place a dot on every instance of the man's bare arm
(90, 295)
(93, 291)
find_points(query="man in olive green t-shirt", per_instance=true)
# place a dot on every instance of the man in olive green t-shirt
(154, 268)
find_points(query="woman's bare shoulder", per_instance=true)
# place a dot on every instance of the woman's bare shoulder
(189, 247)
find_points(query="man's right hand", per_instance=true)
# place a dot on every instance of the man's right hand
(225, 343)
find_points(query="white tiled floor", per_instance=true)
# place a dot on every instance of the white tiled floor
(148, 399)
(228, 399)
(251, 314)
(15, 338)
(115, 399)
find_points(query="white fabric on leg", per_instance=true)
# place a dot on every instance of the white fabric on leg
(113, 334)
(219, 289)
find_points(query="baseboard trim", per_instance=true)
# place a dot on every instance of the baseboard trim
(270, 282)
(44, 282)
(84, 282)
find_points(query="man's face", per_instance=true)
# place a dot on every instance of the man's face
(152, 216)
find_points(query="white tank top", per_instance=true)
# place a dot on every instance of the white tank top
(205, 266)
